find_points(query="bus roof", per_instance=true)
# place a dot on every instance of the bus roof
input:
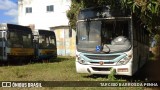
(6, 26)
(102, 12)
(46, 32)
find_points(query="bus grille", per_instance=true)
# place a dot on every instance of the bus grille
(104, 62)
(96, 57)
(101, 69)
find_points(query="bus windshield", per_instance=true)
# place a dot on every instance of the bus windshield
(111, 35)
(89, 34)
(19, 39)
(46, 41)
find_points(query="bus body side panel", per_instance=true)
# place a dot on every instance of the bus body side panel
(21, 53)
(135, 48)
(135, 57)
(47, 53)
(140, 46)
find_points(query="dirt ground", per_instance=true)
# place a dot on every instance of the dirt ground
(152, 70)
(149, 72)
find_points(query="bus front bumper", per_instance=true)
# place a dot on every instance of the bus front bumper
(104, 69)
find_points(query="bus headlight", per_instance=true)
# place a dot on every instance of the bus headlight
(125, 60)
(81, 60)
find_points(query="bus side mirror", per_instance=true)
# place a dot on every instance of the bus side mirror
(76, 40)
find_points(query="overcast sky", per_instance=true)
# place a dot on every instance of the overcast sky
(9, 11)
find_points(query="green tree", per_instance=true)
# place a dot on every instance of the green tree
(147, 10)
(149, 13)
(76, 5)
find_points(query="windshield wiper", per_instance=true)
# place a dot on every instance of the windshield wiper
(107, 47)
(88, 28)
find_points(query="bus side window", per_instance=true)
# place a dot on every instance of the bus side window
(44, 43)
(140, 35)
(145, 39)
(138, 38)
(134, 34)
(143, 36)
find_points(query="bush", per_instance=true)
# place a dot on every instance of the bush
(111, 76)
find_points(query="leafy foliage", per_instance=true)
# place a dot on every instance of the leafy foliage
(147, 10)
(76, 5)
(111, 76)
(149, 13)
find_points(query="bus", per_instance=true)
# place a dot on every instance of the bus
(45, 45)
(16, 43)
(109, 41)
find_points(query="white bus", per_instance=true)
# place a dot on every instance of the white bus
(110, 40)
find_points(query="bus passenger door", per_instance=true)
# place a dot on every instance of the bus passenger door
(36, 46)
(3, 55)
